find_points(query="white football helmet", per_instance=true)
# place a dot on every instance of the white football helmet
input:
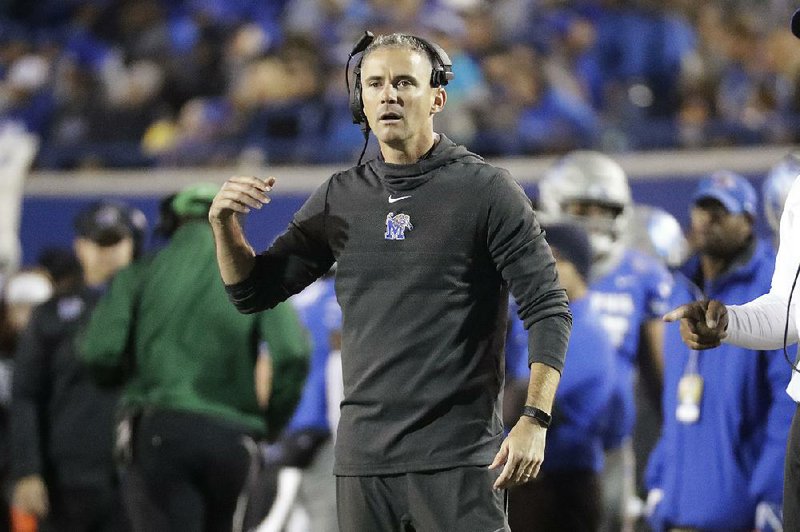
(594, 178)
(776, 188)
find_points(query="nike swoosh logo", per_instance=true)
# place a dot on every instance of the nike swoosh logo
(392, 200)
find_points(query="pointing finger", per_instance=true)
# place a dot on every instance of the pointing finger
(687, 311)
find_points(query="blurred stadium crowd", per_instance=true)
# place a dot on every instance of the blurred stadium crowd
(137, 83)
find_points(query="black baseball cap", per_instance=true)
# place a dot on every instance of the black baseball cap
(104, 222)
(571, 242)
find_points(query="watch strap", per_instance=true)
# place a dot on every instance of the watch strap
(539, 415)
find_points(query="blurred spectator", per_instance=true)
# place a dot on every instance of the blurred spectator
(279, 100)
(753, 98)
(618, 75)
(306, 444)
(64, 478)
(326, 23)
(26, 94)
(567, 494)
(543, 117)
(466, 90)
(775, 190)
(189, 412)
(719, 462)
(22, 292)
(17, 152)
(629, 290)
(64, 268)
(199, 136)
(657, 233)
(569, 64)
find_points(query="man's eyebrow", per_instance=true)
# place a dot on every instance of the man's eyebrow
(399, 77)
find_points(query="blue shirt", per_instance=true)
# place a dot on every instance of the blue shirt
(631, 294)
(715, 471)
(320, 313)
(574, 440)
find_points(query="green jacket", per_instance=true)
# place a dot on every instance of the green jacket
(166, 327)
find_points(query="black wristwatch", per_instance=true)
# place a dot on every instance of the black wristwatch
(539, 415)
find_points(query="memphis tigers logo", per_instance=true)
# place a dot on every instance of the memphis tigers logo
(397, 225)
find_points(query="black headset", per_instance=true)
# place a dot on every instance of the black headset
(441, 74)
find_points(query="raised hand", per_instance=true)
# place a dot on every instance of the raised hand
(239, 195)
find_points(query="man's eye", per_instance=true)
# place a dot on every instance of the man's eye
(373, 84)
(403, 83)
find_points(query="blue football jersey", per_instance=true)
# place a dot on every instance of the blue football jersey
(635, 291)
(319, 311)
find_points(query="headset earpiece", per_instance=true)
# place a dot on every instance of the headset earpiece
(356, 104)
(442, 65)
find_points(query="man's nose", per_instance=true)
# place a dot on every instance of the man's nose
(701, 219)
(389, 93)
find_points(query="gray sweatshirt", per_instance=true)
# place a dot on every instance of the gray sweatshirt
(426, 254)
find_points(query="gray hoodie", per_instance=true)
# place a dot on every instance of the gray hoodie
(426, 254)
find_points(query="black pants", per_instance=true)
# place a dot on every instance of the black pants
(558, 502)
(79, 509)
(791, 474)
(459, 499)
(187, 473)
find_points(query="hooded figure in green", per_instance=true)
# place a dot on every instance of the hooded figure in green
(187, 359)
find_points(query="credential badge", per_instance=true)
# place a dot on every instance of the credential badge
(396, 226)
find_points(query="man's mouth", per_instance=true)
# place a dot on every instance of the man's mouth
(390, 118)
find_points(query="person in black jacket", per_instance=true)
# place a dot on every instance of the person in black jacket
(61, 423)
(20, 294)
(428, 239)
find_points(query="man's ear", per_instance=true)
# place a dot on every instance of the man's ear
(439, 100)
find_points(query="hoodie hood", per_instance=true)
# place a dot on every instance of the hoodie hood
(742, 268)
(402, 177)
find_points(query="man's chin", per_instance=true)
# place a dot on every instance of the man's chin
(388, 135)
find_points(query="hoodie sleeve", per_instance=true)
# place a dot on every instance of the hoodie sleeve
(299, 256)
(523, 258)
(104, 345)
(28, 400)
(767, 480)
